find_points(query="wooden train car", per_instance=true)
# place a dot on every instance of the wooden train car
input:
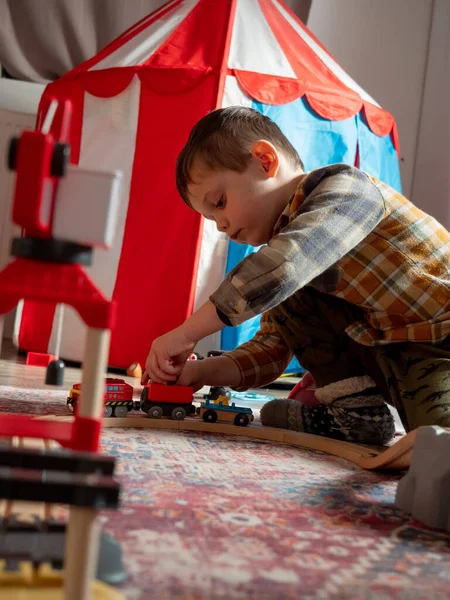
(214, 411)
(173, 401)
(118, 396)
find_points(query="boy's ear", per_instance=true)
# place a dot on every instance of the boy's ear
(267, 154)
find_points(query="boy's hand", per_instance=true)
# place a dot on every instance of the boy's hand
(170, 352)
(193, 374)
(168, 356)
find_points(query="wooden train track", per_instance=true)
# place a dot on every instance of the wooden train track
(28, 580)
(396, 457)
(19, 510)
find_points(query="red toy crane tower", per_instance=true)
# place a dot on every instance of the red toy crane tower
(48, 267)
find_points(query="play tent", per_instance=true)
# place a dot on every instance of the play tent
(134, 105)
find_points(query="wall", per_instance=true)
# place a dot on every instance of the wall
(431, 170)
(383, 45)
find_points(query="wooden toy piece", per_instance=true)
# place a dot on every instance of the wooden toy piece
(2, 325)
(40, 160)
(48, 268)
(44, 583)
(74, 202)
(57, 242)
(117, 397)
(135, 370)
(212, 411)
(174, 401)
(39, 359)
(83, 533)
(30, 529)
(55, 373)
(396, 457)
(82, 546)
(21, 510)
(33, 474)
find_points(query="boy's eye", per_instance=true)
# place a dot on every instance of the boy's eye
(221, 202)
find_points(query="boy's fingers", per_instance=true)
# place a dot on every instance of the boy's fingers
(170, 367)
(158, 380)
(157, 373)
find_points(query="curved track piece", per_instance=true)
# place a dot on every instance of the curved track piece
(396, 457)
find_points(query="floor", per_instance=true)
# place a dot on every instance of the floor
(210, 516)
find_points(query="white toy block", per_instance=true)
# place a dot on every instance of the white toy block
(86, 206)
(424, 491)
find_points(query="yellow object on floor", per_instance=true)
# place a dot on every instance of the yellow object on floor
(43, 583)
(135, 370)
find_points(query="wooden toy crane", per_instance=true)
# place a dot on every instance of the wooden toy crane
(48, 267)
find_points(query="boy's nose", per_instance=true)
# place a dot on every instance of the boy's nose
(222, 226)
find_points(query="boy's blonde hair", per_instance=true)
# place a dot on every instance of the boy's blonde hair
(222, 141)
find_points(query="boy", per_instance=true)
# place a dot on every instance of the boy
(354, 280)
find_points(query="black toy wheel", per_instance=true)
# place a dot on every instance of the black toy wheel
(60, 160)
(241, 420)
(210, 416)
(121, 411)
(155, 412)
(178, 413)
(12, 153)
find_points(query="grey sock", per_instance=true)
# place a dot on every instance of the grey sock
(285, 414)
(363, 418)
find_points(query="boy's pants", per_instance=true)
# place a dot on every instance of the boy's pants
(413, 377)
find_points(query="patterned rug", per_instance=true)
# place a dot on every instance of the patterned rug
(209, 516)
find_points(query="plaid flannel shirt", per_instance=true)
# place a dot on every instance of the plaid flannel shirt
(349, 235)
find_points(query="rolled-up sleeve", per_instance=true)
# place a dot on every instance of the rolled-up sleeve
(262, 359)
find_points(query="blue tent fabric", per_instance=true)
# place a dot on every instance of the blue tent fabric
(234, 336)
(377, 155)
(319, 142)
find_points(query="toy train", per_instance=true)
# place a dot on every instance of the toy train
(118, 397)
(173, 401)
(210, 412)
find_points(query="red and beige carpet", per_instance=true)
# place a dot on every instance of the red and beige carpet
(207, 516)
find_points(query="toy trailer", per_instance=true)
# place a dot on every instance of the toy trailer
(174, 401)
(118, 397)
(211, 412)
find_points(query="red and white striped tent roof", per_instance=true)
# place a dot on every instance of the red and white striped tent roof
(134, 105)
(273, 56)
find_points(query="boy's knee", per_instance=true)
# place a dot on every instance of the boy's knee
(434, 412)
(444, 420)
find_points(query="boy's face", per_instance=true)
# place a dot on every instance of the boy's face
(246, 205)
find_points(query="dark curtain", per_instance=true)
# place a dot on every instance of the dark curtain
(40, 40)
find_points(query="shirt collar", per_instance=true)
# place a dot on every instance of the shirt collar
(292, 206)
